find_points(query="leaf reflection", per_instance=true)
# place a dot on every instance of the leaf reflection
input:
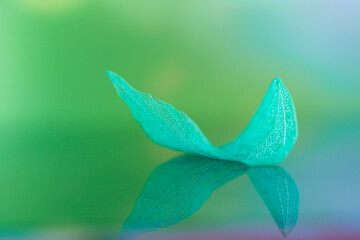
(178, 188)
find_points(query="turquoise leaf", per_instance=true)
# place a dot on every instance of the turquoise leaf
(279, 193)
(272, 131)
(267, 140)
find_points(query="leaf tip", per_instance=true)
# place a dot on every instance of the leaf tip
(285, 233)
(277, 82)
(286, 230)
(110, 74)
(114, 78)
(278, 85)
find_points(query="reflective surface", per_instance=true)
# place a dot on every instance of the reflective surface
(73, 161)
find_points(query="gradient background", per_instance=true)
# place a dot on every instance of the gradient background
(73, 160)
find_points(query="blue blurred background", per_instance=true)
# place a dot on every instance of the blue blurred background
(73, 160)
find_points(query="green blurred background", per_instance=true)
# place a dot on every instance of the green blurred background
(72, 157)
